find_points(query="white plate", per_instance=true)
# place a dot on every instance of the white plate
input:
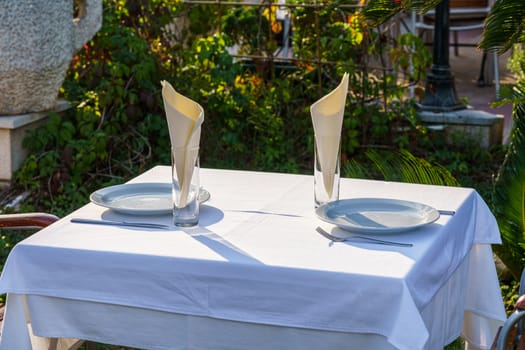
(377, 215)
(151, 198)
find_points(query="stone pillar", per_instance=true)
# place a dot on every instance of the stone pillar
(13, 129)
(37, 42)
(484, 128)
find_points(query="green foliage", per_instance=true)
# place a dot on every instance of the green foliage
(8, 239)
(505, 26)
(457, 344)
(471, 165)
(380, 11)
(510, 293)
(252, 39)
(509, 197)
(378, 112)
(505, 30)
(410, 55)
(117, 121)
(401, 166)
(244, 113)
(256, 110)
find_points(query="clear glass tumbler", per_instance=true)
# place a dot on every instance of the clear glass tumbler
(326, 186)
(185, 186)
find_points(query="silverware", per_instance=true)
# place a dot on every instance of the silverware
(119, 223)
(446, 212)
(361, 239)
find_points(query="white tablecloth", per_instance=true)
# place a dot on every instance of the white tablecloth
(256, 261)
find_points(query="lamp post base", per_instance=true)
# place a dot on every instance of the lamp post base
(440, 91)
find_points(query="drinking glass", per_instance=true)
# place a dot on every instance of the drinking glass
(326, 188)
(185, 186)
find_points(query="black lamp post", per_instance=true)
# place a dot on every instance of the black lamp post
(440, 91)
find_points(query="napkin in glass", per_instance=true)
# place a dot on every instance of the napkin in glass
(327, 118)
(185, 118)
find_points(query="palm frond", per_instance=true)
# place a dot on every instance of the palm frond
(504, 26)
(379, 11)
(357, 170)
(509, 195)
(402, 166)
(510, 94)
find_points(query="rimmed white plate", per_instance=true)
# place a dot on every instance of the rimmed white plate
(152, 198)
(377, 215)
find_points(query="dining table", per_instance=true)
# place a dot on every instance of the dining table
(256, 274)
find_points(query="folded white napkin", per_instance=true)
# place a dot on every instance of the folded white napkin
(327, 118)
(185, 118)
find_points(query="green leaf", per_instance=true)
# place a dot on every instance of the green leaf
(509, 193)
(379, 11)
(402, 166)
(504, 26)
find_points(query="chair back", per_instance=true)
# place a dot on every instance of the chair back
(26, 220)
(511, 336)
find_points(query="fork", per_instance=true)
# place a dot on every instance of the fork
(363, 238)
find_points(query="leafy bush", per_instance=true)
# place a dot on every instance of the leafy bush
(257, 109)
(116, 128)
(509, 194)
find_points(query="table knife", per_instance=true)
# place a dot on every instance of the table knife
(119, 223)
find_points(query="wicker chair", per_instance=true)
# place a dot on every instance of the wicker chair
(512, 334)
(26, 220)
